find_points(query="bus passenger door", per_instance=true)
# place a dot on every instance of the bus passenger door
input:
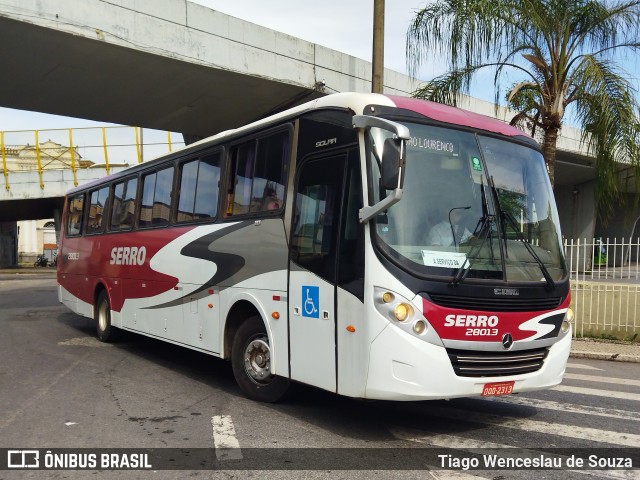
(313, 265)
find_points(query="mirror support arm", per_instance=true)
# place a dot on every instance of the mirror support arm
(365, 121)
(367, 213)
(401, 131)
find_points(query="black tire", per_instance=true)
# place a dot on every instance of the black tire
(250, 359)
(102, 316)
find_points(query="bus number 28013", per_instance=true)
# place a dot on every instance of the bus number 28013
(484, 332)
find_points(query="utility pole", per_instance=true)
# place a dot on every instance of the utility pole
(377, 69)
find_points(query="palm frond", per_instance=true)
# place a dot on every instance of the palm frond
(607, 107)
(564, 50)
(446, 88)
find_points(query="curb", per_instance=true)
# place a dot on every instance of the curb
(616, 357)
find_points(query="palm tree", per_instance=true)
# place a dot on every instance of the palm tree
(565, 53)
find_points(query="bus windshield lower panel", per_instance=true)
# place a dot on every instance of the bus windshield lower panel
(473, 206)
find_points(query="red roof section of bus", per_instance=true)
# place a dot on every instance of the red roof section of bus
(456, 116)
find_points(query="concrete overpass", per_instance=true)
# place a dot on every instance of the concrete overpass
(26, 200)
(170, 65)
(178, 66)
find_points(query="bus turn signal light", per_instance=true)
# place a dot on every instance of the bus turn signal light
(351, 328)
(419, 327)
(569, 315)
(275, 315)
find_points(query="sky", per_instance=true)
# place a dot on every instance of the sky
(343, 25)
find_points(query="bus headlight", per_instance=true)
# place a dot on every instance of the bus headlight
(405, 315)
(402, 311)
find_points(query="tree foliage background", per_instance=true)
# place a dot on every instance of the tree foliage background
(563, 52)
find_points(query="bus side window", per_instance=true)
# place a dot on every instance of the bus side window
(75, 214)
(258, 174)
(267, 192)
(123, 204)
(97, 206)
(242, 159)
(198, 194)
(186, 199)
(351, 240)
(317, 205)
(155, 208)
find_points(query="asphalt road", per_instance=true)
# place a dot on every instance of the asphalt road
(61, 388)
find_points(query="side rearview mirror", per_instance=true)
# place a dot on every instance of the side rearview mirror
(392, 163)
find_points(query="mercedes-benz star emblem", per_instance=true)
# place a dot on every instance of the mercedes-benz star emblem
(507, 341)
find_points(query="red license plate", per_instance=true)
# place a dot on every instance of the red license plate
(497, 388)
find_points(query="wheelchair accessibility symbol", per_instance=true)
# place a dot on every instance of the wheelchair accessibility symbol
(311, 301)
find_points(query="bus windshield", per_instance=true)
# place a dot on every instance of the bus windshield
(473, 206)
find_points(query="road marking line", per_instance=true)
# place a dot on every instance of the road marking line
(580, 409)
(461, 443)
(598, 393)
(583, 367)
(224, 438)
(538, 426)
(593, 378)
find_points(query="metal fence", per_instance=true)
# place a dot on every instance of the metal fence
(78, 148)
(605, 286)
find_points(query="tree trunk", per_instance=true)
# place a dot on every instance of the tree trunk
(549, 151)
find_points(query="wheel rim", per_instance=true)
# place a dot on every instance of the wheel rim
(103, 318)
(257, 360)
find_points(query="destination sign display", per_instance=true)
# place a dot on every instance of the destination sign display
(440, 145)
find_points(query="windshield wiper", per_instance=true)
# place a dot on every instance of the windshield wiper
(545, 272)
(484, 229)
(481, 232)
(505, 215)
(502, 236)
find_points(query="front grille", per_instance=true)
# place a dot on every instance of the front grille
(470, 363)
(501, 304)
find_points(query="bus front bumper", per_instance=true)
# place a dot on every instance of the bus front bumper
(422, 371)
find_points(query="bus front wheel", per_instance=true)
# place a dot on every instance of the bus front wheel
(102, 315)
(251, 362)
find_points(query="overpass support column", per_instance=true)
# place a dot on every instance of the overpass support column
(57, 221)
(4, 163)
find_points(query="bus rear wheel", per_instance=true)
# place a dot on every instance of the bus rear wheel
(251, 362)
(102, 315)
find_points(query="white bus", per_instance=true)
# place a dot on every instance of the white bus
(373, 246)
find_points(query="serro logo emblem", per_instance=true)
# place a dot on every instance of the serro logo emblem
(128, 255)
(470, 321)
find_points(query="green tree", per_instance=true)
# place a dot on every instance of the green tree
(565, 52)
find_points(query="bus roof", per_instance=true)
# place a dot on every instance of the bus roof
(456, 116)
